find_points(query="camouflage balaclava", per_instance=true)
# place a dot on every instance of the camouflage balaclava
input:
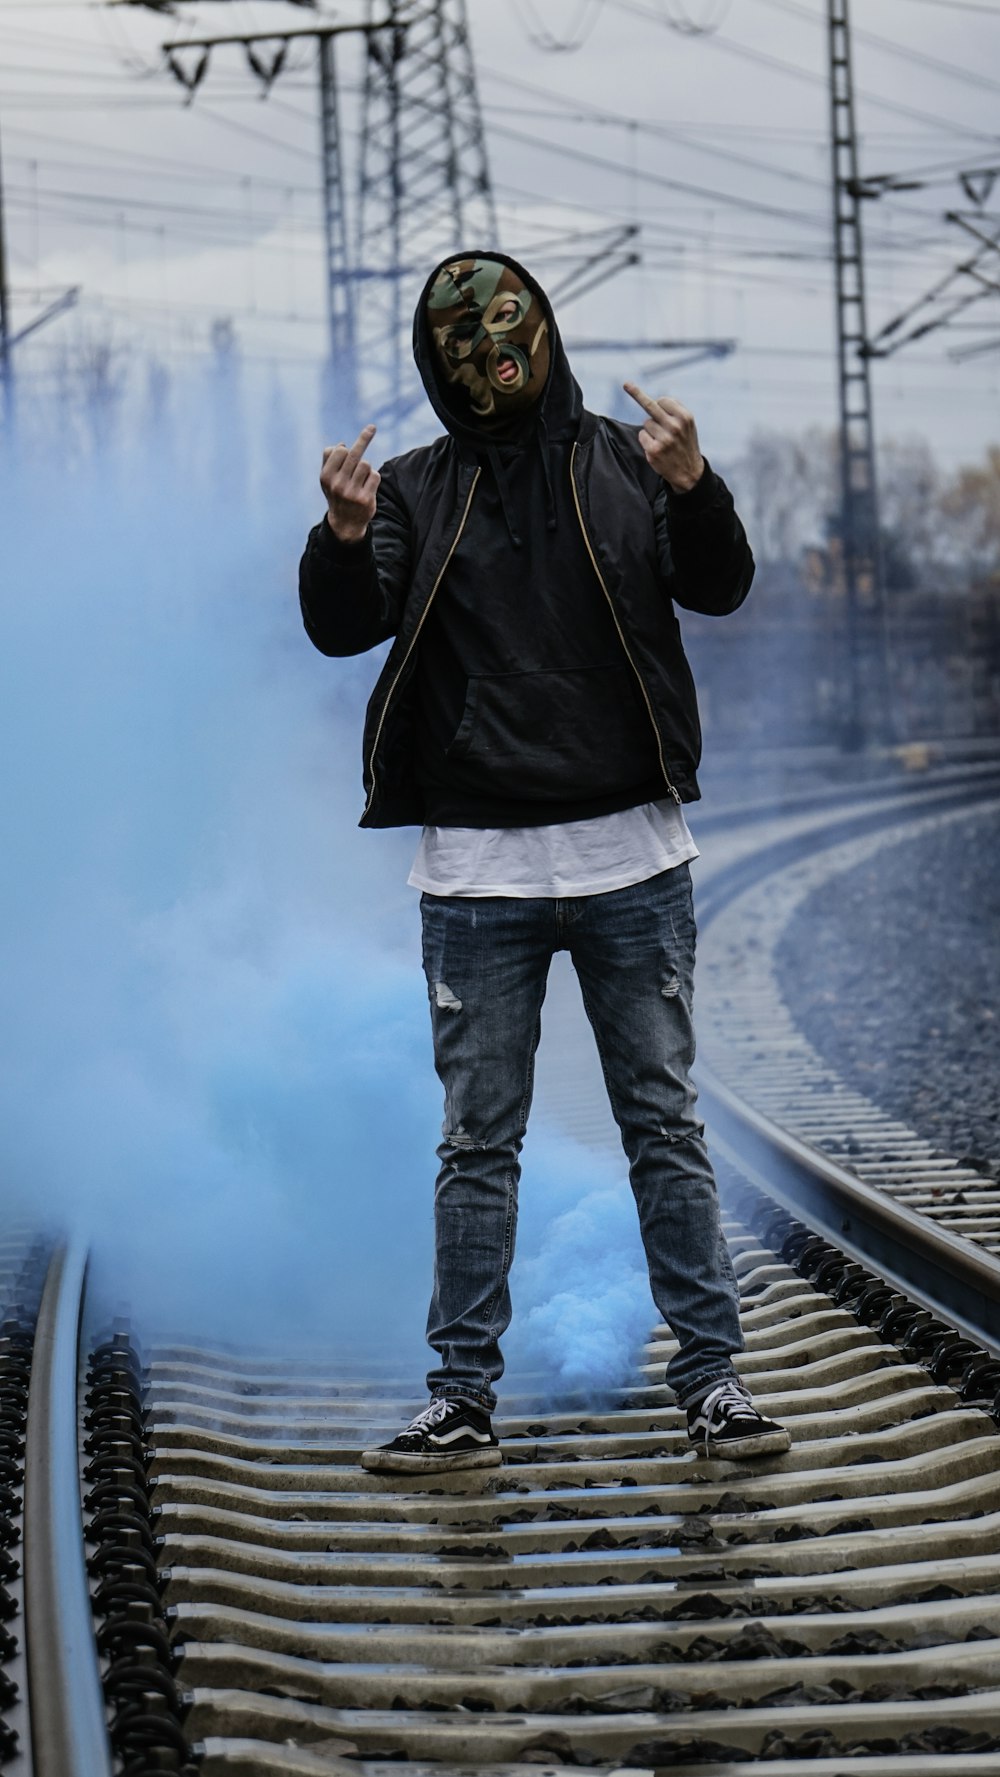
(490, 337)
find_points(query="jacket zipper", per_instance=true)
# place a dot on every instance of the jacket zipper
(413, 639)
(621, 634)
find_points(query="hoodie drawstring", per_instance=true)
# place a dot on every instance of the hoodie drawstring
(503, 485)
(541, 433)
(503, 489)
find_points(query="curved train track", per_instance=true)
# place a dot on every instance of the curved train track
(751, 1041)
(204, 1579)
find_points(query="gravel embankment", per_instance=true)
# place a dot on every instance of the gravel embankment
(893, 972)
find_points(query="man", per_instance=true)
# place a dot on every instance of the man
(536, 717)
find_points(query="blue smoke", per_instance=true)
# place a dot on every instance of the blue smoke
(581, 1296)
(217, 1059)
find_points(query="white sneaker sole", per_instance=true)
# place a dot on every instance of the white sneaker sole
(767, 1443)
(401, 1462)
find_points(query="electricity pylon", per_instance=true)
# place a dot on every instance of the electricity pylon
(424, 184)
(341, 396)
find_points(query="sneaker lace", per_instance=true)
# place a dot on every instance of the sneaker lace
(731, 1394)
(430, 1416)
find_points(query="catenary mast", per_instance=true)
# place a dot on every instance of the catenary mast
(867, 715)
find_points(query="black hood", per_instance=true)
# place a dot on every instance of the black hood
(557, 410)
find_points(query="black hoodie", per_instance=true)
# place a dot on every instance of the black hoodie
(537, 673)
(526, 710)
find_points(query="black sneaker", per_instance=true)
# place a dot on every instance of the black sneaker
(446, 1435)
(727, 1425)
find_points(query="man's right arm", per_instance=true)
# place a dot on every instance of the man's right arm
(352, 587)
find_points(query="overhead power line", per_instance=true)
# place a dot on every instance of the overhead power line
(590, 113)
(689, 188)
(654, 131)
(416, 183)
(699, 19)
(148, 166)
(711, 195)
(984, 6)
(951, 295)
(9, 338)
(267, 64)
(572, 37)
(764, 59)
(894, 46)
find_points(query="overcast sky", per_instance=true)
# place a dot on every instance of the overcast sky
(171, 215)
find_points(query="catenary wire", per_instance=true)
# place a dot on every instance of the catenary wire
(645, 126)
(902, 51)
(763, 58)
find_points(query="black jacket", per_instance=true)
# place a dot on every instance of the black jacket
(649, 549)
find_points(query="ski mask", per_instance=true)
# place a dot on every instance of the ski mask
(490, 337)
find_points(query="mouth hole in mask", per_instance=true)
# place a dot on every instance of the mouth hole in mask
(507, 368)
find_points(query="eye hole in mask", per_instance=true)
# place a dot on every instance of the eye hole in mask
(506, 310)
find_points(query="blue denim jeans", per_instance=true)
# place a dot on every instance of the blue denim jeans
(487, 960)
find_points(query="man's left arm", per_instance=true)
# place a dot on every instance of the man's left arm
(701, 542)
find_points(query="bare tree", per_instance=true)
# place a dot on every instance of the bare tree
(910, 487)
(970, 509)
(91, 378)
(785, 486)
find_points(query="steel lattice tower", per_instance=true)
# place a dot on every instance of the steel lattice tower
(342, 382)
(424, 186)
(340, 393)
(867, 712)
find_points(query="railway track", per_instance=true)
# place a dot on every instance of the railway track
(254, 1603)
(751, 1042)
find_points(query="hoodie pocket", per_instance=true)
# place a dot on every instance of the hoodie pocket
(563, 732)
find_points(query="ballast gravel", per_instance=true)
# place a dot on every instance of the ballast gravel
(892, 971)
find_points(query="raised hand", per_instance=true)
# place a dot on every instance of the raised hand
(350, 485)
(669, 438)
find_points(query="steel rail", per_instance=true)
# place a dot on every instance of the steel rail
(937, 1268)
(564, 1608)
(845, 822)
(69, 1732)
(976, 776)
(69, 1735)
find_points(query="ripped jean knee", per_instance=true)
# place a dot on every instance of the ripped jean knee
(459, 1137)
(444, 999)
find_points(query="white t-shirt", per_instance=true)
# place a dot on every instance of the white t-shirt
(573, 858)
